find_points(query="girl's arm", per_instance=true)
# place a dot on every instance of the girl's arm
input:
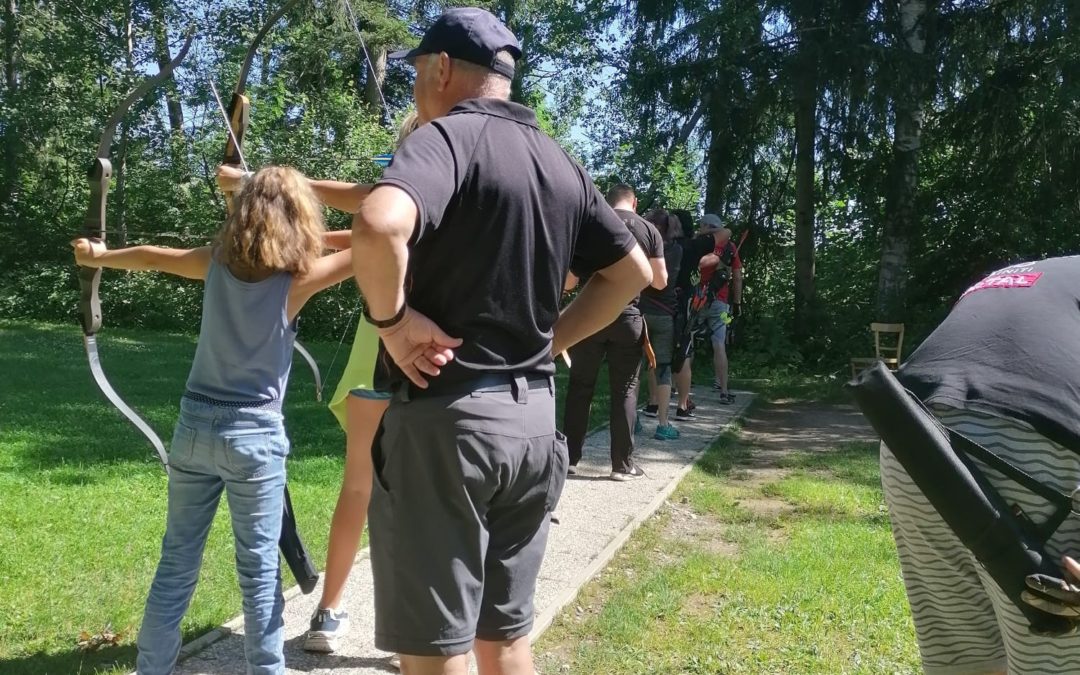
(327, 271)
(345, 197)
(338, 240)
(335, 194)
(183, 262)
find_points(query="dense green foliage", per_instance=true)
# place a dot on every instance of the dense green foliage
(939, 138)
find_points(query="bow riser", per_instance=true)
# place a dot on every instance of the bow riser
(93, 227)
(239, 116)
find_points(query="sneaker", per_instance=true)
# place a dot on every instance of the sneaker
(651, 410)
(681, 414)
(635, 472)
(571, 470)
(328, 627)
(666, 433)
(716, 386)
(690, 405)
(727, 399)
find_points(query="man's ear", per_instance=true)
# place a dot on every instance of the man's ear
(445, 71)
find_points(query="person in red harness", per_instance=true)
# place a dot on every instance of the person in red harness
(718, 297)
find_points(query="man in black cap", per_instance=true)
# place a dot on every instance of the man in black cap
(470, 234)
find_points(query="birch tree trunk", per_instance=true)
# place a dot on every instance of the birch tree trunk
(915, 84)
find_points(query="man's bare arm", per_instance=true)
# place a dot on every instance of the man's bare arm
(601, 299)
(659, 273)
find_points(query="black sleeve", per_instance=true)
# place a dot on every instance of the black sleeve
(425, 167)
(654, 243)
(602, 240)
(673, 254)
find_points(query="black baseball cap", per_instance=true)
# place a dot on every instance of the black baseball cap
(470, 34)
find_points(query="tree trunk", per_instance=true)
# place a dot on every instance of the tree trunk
(375, 76)
(163, 56)
(914, 85)
(11, 85)
(120, 167)
(805, 95)
(720, 157)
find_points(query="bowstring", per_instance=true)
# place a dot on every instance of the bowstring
(228, 126)
(386, 112)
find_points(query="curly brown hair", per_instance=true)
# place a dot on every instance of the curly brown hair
(277, 224)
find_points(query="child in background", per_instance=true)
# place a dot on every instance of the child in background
(265, 264)
(358, 404)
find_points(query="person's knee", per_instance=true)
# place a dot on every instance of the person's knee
(507, 657)
(663, 376)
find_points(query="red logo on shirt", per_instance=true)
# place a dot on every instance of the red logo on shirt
(1023, 280)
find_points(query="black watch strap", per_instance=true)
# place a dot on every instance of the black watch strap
(387, 323)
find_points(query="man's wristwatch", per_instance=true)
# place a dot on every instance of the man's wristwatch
(386, 323)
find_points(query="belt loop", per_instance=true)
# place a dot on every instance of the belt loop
(403, 392)
(521, 389)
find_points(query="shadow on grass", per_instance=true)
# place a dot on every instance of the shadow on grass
(725, 454)
(110, 659)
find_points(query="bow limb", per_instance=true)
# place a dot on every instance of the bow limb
(99, 177)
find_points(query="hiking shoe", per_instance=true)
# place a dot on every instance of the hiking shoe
(328, 628)
(681, 414)
(651, 410)
(634, 473)
(666, 433)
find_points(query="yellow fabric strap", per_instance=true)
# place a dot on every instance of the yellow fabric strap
(359, 371)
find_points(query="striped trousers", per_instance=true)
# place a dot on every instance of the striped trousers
(964, 623)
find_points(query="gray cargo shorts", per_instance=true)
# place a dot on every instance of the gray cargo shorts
(464, 487)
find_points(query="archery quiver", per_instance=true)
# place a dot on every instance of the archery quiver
(939, 461)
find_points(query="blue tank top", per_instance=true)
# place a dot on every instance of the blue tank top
(246, 340)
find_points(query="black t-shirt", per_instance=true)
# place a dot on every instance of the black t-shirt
(503, 212)
(1010, 347)
(693, 251)
(665, 301)
(647, 237)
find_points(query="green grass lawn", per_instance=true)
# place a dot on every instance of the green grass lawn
(794, 573)
(82, 495)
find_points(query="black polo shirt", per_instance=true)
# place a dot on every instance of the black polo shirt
(503, 213)
(1010, 348)
(647, 237)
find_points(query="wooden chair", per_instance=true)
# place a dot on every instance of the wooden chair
(888, 345)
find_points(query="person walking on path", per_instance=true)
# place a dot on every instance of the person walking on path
(230, 437)
(719, 295)
(659, 307)
(621, 345)
(467, 239)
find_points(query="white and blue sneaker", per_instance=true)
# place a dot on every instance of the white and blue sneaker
(328, 627)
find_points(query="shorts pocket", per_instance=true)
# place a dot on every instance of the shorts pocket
(183, 444)
(252, 455)
(560, 460)
(378, 460)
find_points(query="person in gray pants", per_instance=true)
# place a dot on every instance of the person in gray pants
(460, 251)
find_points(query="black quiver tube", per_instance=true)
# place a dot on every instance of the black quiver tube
(973, 510)
(293, 550)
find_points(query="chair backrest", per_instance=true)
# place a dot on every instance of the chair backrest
(892, 345)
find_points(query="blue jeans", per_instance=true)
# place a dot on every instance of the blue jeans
(241, 451)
